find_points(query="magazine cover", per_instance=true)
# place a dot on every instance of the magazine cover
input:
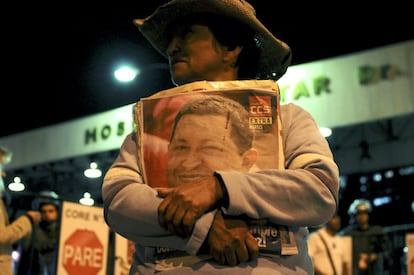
(231, 125)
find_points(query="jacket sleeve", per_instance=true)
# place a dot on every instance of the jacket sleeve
(13, 232)
(303, 194)
(131, 206)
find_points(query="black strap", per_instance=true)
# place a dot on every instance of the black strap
(329, 253)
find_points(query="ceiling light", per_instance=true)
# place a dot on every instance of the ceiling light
(86, 199)
(93, 171)
(17, 185)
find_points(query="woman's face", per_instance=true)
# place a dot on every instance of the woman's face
(194, 55)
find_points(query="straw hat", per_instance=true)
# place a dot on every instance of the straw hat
(275, 55)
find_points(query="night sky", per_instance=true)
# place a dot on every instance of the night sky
(59, 59)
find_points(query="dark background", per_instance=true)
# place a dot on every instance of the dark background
(58, 58)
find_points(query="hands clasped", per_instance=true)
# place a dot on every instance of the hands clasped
(182, 205)
(229, 240)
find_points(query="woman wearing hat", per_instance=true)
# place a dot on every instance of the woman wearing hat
(222, 41)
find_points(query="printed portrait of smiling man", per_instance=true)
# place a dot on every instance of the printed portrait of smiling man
(210, 133)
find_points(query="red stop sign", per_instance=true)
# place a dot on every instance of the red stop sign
(83, 253)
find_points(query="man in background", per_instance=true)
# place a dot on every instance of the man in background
(39, 250)
(370, 244)
(327, 250)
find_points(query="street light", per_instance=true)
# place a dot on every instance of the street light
(127, 73)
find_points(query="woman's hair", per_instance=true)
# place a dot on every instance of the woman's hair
(230, 33)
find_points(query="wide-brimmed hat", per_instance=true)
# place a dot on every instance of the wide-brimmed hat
(274, 54)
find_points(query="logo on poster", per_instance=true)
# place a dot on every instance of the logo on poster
(83, 253)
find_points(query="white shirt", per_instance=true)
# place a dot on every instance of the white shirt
(319, 254)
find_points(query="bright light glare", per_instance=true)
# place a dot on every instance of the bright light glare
(326, 132)
(15, 255)
(382, 200)
(17, 185)
(377, 177)
(86, 199)
(93, 172)
(126, 74)
(389, 174)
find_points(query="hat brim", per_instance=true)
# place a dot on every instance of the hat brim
(274, 54)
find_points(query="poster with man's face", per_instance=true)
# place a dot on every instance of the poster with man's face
(192, 131)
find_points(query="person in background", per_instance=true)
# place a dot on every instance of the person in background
(39, 250)
(11, 232)
(222, 40)
(370, 244)
(327, 250)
